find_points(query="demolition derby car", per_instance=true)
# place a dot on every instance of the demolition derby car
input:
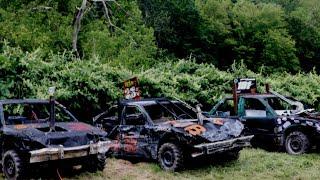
(170, 132)
(276, 121)
(42, 132)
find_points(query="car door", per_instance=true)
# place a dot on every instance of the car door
(133, 132)
(257, 116)
(108, 121)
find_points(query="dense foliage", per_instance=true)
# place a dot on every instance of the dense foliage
(216, 41)
(90, 86)
(279, 34)
(49, 25)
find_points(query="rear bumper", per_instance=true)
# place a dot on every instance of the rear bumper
(59, 153)
(221, 146)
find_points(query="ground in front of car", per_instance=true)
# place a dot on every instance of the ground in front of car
(252, 164)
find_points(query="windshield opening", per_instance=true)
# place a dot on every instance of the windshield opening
(164, 111)
(27, 113)
(280, 106)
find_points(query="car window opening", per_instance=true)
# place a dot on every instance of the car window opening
(254, 108)
(15, 114)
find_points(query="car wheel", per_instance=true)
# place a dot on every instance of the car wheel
(254, 142)
(12, 165)
(95, 163)
(170, 157)
(297, 143)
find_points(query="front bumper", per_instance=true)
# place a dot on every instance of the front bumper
(220, 146)
(58, 153)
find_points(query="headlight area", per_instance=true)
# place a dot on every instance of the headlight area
(318, 127)
(99, 137)
(27, 145)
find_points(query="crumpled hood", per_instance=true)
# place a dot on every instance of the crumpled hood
(305, 119)
(312, 116)
(213, 129)
(66, 134)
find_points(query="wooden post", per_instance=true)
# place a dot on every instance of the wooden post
(52, 109)
(268, 88)
(235, 97)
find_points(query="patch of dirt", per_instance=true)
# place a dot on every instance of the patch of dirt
(123, 169)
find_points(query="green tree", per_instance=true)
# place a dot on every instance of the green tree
(48, 25)
(175, 23)
(288, 5)
(253, 25)
(279, 52)
(304, 27)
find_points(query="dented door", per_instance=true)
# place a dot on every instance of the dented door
(133, 132)
(257, 116)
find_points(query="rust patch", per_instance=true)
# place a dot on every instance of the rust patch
(130, 145)
(115, 146)
(195, 129)
(20, 126)
(172, 122)
(79, 127)
(218, 121)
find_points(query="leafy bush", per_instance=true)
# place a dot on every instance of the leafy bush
(88, 87)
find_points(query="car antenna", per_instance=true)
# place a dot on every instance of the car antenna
(51, 92)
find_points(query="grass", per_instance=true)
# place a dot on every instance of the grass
(252, 164)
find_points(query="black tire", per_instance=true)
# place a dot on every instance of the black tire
(254, 142)
(297, 143)
(12, 165)
(95, 163)
(170, 157)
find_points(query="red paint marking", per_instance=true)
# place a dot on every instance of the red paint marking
(218, 121)
(195, 129)
(79, 126)
(115, 146)
(130, 145)
(20, 126)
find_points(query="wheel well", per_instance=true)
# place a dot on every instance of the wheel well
(167, 139)
(8, 144)
(309, 131)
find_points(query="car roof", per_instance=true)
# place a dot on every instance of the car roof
(255, 96)
(145, 102)
(258, 95)
(24, 101)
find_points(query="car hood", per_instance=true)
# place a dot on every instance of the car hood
(213, 129)
(65, 134)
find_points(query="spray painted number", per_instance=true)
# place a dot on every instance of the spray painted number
(244, 85)
(195, 129)
(131, 93)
